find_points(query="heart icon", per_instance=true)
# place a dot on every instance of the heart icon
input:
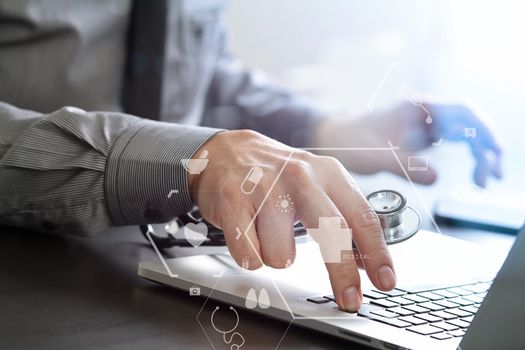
(196, 234)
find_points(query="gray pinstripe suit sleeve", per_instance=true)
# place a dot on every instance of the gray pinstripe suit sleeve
(80, 172)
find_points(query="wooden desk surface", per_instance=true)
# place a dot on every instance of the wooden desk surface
(60, 292)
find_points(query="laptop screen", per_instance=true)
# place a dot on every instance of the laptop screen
(500, 320)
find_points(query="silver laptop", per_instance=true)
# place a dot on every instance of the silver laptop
(447, 297)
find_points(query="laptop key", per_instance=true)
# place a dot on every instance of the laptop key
(329, 297)
(484, 286)
(457, 333)
(431, 296)
(400, 300)
(413, 320)
(468, 319)
(392, 293)
(318, 300)
(461, 301)
(384, 313)
(444, 315)
(425, 329)
(428, 317)
(458, 312)
(398, 323)
(415, 298)
(476, 288)
(365, 309)
(401, 311)
(432, 306)
(459, 291)
(383, 302)
(446, 304)
(459, 323)
(471, 308)
(474, 297)
(444, 293)
(391, 321)
(375, 295)
(441, 336)
(416, 309)
(445, 326)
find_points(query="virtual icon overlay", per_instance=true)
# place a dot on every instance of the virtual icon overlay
(334, 240)
(196, 234)
(194, 291)
(257, 298)
(197, 165)
(251, 180)
(470, 133)
(229, 336)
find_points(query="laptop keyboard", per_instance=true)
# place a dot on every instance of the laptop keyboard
(439, 313)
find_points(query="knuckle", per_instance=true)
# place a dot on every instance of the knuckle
(297, 170)
(352, 183)
(229, 191)
(330, 161)
(304, 155)
(368, 219)
(247, 133)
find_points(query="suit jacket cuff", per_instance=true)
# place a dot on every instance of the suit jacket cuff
(145, 165)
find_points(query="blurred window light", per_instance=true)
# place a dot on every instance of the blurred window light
(488, 36)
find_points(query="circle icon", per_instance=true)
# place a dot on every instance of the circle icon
(284, 203)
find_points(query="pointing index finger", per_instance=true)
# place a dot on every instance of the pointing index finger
(367, 232)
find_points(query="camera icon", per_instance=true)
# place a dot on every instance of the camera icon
(195, 291)
(469, 132)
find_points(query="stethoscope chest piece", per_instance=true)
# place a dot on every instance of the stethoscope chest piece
(399, 221)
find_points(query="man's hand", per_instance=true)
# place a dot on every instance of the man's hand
(313, 187)
(407, 126)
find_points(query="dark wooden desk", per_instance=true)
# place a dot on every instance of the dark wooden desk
(60, 292)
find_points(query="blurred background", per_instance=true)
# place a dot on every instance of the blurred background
(357, 55)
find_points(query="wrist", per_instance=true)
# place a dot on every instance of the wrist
(205, 150)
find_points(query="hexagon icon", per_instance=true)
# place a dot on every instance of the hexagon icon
(222, 323)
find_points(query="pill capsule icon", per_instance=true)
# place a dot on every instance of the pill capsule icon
(251, 180)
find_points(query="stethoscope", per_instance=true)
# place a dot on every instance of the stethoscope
(398, 220)
(232, 330)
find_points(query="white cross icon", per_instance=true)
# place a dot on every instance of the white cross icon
(334, 240)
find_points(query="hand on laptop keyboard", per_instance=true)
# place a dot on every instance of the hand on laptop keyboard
(291, 185)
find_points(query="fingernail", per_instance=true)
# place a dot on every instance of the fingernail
(351, 299)
(386, 277)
